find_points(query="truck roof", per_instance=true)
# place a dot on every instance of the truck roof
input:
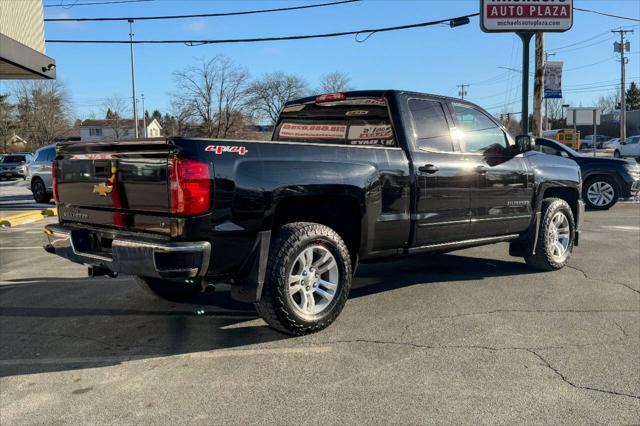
(373, 94)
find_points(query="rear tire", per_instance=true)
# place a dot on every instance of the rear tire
(600, 193)
(308, 279)
(182, 290)
(555, 237)
(39, 191)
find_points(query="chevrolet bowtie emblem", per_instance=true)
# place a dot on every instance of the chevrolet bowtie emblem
(102, 189)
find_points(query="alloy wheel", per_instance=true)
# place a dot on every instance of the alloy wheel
(560, 236)
(600, 193)
(313, 280)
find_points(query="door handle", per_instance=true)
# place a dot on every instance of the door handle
(429, 168)
(481, 169)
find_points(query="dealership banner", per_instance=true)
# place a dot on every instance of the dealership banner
(526, 15)
(553, 80)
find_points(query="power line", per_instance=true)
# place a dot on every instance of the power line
(607, 14)
(69, 6)
(370, 32)
(202, 15)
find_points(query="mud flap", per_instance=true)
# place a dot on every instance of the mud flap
(248, 286)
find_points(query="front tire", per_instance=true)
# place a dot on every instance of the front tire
(600, 193)
(616, 154)
(555, 237)
(182, 290)
(308, 279)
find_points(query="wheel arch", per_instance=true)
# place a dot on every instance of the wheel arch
(343, 211)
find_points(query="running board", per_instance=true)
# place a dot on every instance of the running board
(462, 244)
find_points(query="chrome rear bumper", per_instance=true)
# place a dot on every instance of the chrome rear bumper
(129, 256)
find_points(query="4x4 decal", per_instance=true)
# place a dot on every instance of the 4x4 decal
(221, 149)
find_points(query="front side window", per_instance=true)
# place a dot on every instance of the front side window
(551, 150)
(430, 125)
(478, 134)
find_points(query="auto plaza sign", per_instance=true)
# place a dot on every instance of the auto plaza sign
(526, 15)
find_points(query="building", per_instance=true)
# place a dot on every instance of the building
(22, 51)
(117, 129)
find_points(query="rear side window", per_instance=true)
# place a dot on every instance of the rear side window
(355, 121)
(430, 125)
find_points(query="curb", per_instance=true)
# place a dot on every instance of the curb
(28, 217)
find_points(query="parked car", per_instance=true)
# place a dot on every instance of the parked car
(347, 177)
(611, 144)
(605, 180)
(629, 148)
(39, 176)
(13, 166)
(593, 141)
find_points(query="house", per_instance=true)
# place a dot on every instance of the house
(117, 129)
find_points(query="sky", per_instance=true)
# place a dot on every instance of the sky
(433, 59)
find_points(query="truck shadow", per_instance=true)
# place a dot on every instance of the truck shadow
(52, 324)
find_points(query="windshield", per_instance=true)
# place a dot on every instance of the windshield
(13, 159)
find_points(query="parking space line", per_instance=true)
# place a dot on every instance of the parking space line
(21, 248)
(196, 355)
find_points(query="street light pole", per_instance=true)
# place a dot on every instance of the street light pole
(133, 80)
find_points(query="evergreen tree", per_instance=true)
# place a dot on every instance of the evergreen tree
(633, 97)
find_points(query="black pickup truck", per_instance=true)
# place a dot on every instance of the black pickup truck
(347, 177)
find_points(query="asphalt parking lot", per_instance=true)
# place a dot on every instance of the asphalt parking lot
(467, 337)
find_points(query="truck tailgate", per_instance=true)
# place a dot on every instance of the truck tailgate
(114, 176)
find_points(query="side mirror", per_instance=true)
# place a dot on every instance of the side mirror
(524, 143)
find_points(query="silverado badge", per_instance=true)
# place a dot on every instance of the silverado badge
(102, 189)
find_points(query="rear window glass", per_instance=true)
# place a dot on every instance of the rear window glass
(350, 122)
(14, 159)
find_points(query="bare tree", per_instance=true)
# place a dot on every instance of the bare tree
(336, 81)
(43, 111)
(269, 94)
(609, 103)
(117, 108)
(212, 93)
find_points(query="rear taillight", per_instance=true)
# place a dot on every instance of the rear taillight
(54, 175)
(190, 186)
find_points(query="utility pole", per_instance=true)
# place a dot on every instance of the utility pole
(144, 118)
(462, 93)
(546, 100)
(621, 48)
(538, 84)
(133, 80)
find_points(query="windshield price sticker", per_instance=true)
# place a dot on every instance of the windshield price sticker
(313, 131)
(526, 15)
